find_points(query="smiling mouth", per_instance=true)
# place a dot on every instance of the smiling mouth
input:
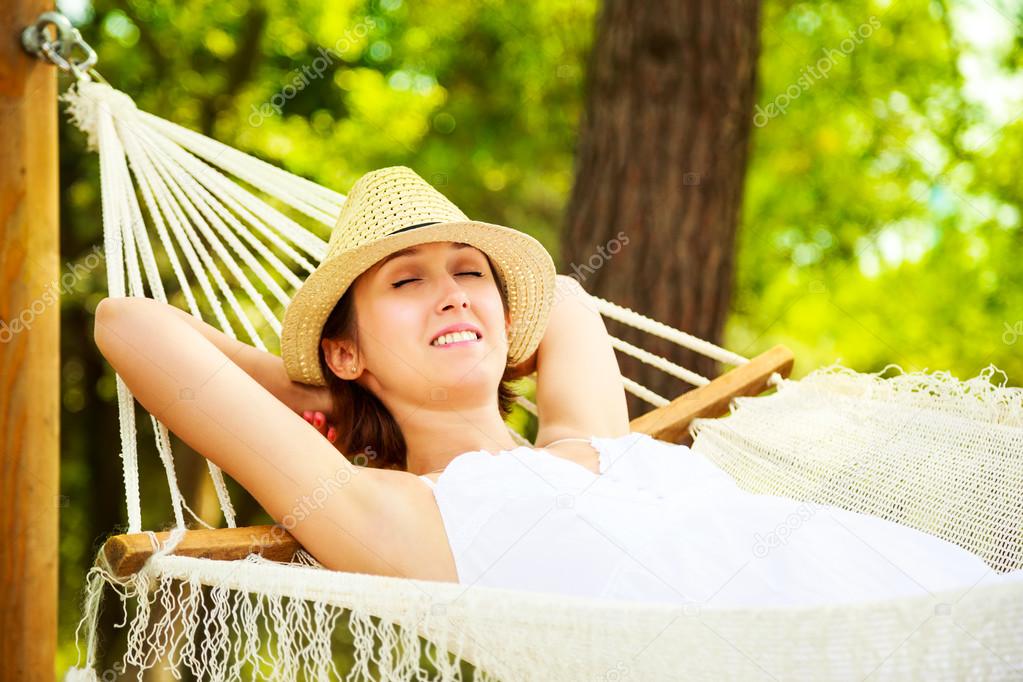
(456, 344)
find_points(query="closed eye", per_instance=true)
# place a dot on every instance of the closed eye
(398, 284)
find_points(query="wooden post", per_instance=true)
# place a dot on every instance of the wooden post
(29, 353)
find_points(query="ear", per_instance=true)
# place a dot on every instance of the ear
(340, 356)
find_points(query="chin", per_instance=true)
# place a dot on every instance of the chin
(469, 374)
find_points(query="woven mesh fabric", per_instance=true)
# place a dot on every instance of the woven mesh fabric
(928, 451)
(924, 450)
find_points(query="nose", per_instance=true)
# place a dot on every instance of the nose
(454, 295)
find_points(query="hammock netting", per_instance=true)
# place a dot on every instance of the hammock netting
(924, 449)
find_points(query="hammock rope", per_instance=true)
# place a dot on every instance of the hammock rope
(837, 437)
(190, 204)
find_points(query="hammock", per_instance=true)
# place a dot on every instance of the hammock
(926, 450)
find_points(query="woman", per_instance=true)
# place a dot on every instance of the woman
(405, 335)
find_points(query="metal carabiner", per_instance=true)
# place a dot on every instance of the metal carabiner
(59, 51)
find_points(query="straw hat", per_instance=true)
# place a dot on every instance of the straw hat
(391, 209)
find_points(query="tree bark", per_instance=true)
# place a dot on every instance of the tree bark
(660, 165)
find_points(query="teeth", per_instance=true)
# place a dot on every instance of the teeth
(457, 336)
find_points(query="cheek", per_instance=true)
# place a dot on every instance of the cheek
(494, 314)
(386, 328)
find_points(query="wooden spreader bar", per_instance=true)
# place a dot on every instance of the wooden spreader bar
(671, 422)
(125, 554)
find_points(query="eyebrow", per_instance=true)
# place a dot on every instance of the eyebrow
(412, 250)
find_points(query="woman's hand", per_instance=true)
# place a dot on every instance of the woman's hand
(319, 420)
(304, 398)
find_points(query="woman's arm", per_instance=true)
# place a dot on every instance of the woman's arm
(345, 515)
(579, 390)
(266, 368)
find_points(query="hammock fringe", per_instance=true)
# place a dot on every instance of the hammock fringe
(223, 620)
(926, 450)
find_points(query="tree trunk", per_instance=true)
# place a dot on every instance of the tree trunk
(659, 172)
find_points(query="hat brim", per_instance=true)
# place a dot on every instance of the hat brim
(522, 265)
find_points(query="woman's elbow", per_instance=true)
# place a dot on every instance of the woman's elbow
(109, 314)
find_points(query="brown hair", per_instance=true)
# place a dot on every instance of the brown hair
(367, 433)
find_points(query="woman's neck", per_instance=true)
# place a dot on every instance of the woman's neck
(433, 437)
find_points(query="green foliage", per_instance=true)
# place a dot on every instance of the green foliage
(482, 99)
(880, 221)
(878, 226)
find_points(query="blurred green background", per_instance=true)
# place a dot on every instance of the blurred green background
(880, 223)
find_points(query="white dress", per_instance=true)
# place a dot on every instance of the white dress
(661, 523)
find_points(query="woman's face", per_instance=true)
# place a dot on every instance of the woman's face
(405, 301)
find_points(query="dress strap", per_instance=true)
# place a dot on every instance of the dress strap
(428, 481)
(562, 440)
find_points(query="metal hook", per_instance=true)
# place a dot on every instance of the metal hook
(34, 37)
(36, 40)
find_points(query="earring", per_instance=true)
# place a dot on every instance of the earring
(353, 369)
